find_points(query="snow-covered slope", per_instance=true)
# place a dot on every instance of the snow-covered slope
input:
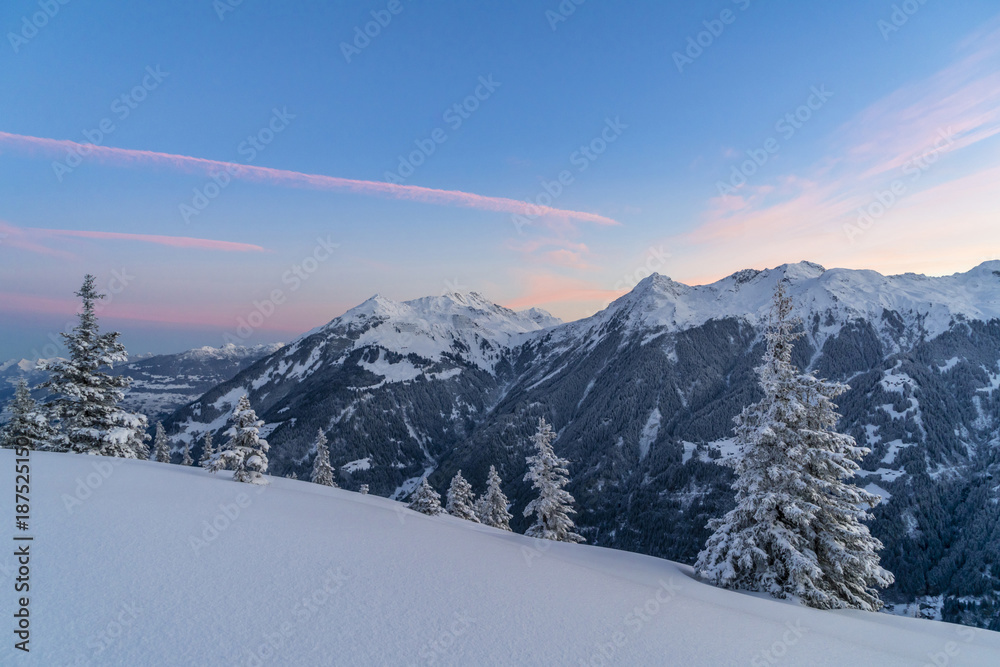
(173, 566)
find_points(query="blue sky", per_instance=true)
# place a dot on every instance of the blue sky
(913, 105)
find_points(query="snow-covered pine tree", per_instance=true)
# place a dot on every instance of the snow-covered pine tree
(206, 452)
(322, 472)
(28, 425)
(363, 490)
(491, 508)
(186, 459)
(549, 474)
(161, 447)
(86, 404)
(461, 500)
(426, 500)
(796, 529)
(246, 452)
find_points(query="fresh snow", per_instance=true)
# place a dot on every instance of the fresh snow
(894, 447)
(401, 371)
(466, 325)
(649, 433)
(877, 490)
(309, 575)
(948, 365)
(928, 305)
(355, 466)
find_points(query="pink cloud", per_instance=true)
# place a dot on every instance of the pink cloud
(172, 241)
(572, 297)
(802, 215)
(25, 238)
(129, 157)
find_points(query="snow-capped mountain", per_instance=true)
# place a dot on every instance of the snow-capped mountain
(462, 327)
(643, 394)
(412, 376)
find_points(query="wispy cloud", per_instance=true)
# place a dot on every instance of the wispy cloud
(897, 139)
(125, 157)
(28, 238)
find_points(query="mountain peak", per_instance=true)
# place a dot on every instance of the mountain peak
(803, 270)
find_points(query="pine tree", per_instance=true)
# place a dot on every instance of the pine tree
(796, 529)
(186, 459)
(461, 500)
(549, 474)
(87, 399)
(246, 452)
(206, 453)
(322, 472)
(28, 426)
(161, 447)
(491, 508)
(426, 500)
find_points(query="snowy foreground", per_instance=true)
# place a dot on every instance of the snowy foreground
(298, 574)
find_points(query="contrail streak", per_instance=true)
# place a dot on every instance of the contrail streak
(186, 163)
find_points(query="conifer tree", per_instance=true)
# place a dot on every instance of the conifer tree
(28, 426)
(186, 459)
(206, 452)
(86, 403)
(161, 447)
(245, 452)
(491, 508)
(461, 500)
(322, 472)
(549, 474)
(426, 500)
(797, 527)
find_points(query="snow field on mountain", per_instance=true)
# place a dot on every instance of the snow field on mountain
(142, 563)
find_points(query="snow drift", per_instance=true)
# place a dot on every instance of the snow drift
(139, 563)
